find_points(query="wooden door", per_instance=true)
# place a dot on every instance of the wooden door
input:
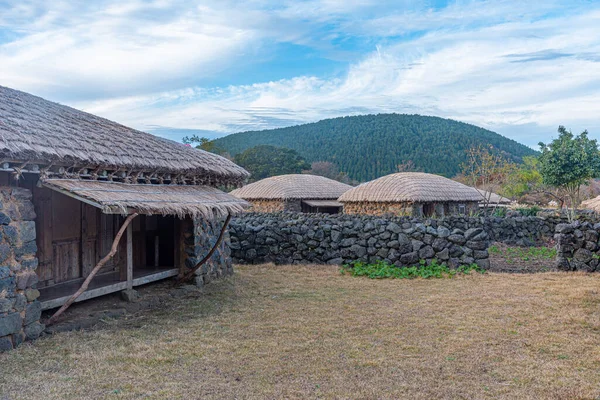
(66, 238)
(90, 256)
(42, 201)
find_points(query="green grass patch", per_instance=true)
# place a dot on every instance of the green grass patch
(524, 253)
(381, 270)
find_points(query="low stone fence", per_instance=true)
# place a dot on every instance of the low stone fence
(519, 231)
(578, 246)
(293, 238)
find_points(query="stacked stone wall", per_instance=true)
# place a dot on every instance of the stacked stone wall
(409, 209)
(292, 238)
(200, 236)
(578, 246)
(20, 311)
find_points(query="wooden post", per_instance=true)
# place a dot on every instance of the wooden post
(129, 257)
(156, 251)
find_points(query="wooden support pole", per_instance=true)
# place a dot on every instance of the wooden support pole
(190, 274)
(129, 257)
(93, 273)
(156, 251)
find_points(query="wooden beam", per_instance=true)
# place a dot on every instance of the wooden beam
(129, 257)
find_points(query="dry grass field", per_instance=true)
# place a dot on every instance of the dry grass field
(309, 332)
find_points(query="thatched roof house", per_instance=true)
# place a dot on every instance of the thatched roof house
(411, 193)
(494, 198)
(67, 181)
(294, 192)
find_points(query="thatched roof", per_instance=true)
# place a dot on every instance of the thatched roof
(34, 129)
(410, 187)
(494, 198)
(294, 186)
(592, 204)
(123, 198)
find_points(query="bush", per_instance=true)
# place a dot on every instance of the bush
(499, 212)
(529, 211)
(381, 269)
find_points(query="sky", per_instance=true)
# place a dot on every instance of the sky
(175, 68)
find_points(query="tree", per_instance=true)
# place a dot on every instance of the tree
(487, 169)
(407, 166)
(203, 143)
(265, 161)
(525, 182)
(328, 170)
(568, 162)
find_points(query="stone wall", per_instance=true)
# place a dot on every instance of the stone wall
(365, 208)
(292, 238)
(578, 246)
(271, 206)
(411, 209)
(520, 231)
(199, 237)
(20, 310)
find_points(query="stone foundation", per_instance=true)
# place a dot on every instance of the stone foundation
(417, 210)
(200, 236)
(271, 206)
(20, 311)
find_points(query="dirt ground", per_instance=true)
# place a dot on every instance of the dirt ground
(310, 332)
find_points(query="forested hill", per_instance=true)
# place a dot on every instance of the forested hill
(369, 146)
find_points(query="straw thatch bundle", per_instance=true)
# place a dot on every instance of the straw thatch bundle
(180, 200)
(293, 186)
(592, 204)
(34, 129)
(411, 187)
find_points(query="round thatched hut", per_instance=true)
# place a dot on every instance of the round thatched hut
(294, 192)
(411, 193)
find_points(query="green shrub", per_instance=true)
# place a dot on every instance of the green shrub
(499, 212)
(529, 211)
(381, 269)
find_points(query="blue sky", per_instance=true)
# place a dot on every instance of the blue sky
(176, 67)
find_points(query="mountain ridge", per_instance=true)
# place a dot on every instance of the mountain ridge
(369, 146)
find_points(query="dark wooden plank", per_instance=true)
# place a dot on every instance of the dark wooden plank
(89, 238)
(65, 263)
(129, 257)
(42, 202)
(66, 223)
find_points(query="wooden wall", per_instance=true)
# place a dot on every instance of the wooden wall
(73, 236)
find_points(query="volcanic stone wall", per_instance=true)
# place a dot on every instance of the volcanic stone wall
(20, 310)
(578, 246)
(199, 237)
(292, 238)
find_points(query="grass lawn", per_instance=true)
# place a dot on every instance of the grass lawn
(309, 332)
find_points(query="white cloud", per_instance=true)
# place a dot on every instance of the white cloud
(494, 64)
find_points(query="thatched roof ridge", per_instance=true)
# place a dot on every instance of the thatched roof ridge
(293, 186)
(410, 187)
(121, 198)
(34, 129)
